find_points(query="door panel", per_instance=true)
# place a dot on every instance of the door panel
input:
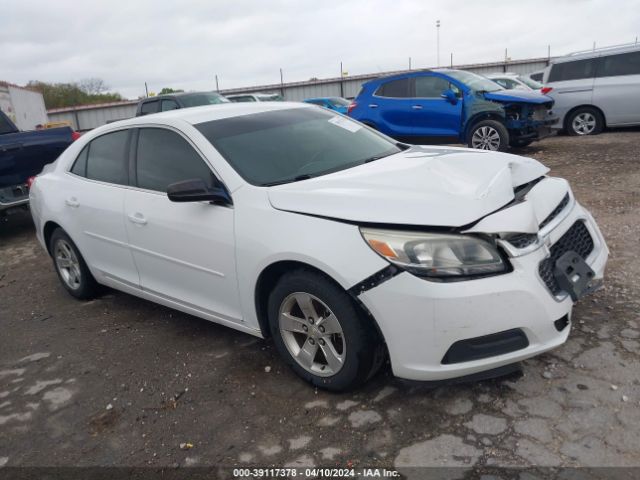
(184, 251)
(619, 98)
(432, 114)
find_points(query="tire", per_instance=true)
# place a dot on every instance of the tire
(70, 266)
(516, 143)
(488, 135)
(584, 121)
(354, 349)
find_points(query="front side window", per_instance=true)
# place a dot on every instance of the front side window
(395, 89)
(294, 144)
(574, 70)
(164, 157)
(169, 105)
(107, 159)
(616, 65)
(430, 87)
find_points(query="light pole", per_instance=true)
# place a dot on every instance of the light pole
(438, 39)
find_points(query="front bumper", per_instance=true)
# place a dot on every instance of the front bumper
(421, 319)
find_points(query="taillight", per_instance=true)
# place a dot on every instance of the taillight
(30, 182)
(545, 90)
(352, 105)
(75, 136)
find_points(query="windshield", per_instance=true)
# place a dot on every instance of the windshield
(199, 99)
(283, 146)
(339, 102)
(530, 83)
(474, 81)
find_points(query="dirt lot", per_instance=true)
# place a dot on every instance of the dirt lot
(121, 381)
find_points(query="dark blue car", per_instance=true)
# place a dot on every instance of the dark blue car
(415, 107)
(337, 104)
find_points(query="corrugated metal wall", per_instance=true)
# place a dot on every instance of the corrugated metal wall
(86, 117)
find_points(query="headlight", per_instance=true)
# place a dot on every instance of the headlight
(435, 254)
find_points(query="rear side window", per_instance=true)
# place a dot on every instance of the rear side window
(616, 65)
(242, 99)
(430, 87)
(572, 70)
(164, 157)
(149, 107)
(107, 158)
(395, 89)
(80, 166)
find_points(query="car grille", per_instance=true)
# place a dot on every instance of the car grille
(578, 239)
(556, 211)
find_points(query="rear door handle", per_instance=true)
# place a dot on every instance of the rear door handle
(137, 218)
(373, 105)
(72, 202)
(417, 107)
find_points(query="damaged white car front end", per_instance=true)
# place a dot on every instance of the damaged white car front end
(487, 255)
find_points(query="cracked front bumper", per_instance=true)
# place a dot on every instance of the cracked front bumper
(421, 320)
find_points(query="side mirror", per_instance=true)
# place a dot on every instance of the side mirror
(450, 96)
(197, 190)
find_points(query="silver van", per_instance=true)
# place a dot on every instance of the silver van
(595, 89)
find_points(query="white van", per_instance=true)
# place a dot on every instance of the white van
(595, 89)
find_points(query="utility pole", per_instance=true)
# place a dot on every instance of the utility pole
(409, 63)
(451, 60)
(281, 84)
(146, 89)
(341, 84)
(217, 87)
(438, 40)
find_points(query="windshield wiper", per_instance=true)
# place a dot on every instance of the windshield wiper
(377, 157)
(306, 176)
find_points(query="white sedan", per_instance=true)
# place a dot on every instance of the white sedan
(290, 221)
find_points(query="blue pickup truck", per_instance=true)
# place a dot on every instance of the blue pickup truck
(23, 155)
(417, 106)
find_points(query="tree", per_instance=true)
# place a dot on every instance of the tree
(85, 92)
(167, 90)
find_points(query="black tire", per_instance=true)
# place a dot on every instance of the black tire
(575, 127)
(363, 349)
(491, 127)
(518, 143)
(87, 287)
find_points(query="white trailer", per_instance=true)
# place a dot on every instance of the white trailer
(24, 107)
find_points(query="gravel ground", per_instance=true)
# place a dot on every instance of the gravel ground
(121, 381)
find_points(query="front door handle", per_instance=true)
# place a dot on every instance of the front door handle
(373, 105)
(137, 218)
(417, 107)
(72, 202)
(10, 147)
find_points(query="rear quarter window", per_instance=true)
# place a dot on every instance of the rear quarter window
(107, 158)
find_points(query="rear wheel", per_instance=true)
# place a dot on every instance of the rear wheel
(584, 121)
(71, 268)
(488, 135)
(321, 334)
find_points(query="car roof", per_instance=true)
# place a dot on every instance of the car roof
(207, 113)
(175, 94)
(598, 52)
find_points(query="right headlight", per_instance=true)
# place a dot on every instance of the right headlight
(436, 255)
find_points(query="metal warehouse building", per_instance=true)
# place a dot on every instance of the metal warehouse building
(86, 117)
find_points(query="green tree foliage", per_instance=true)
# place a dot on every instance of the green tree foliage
(85, 92)
(166, 90)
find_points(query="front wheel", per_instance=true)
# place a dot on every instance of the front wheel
(488, 135)
(320, 333)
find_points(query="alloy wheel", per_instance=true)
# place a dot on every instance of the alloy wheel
(68, 264)
(584, 123)
(486, 138)
(312, 334)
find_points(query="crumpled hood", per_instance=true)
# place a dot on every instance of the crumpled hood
(435, 186)
(520, 96)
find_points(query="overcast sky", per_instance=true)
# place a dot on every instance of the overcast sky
(184, 44)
